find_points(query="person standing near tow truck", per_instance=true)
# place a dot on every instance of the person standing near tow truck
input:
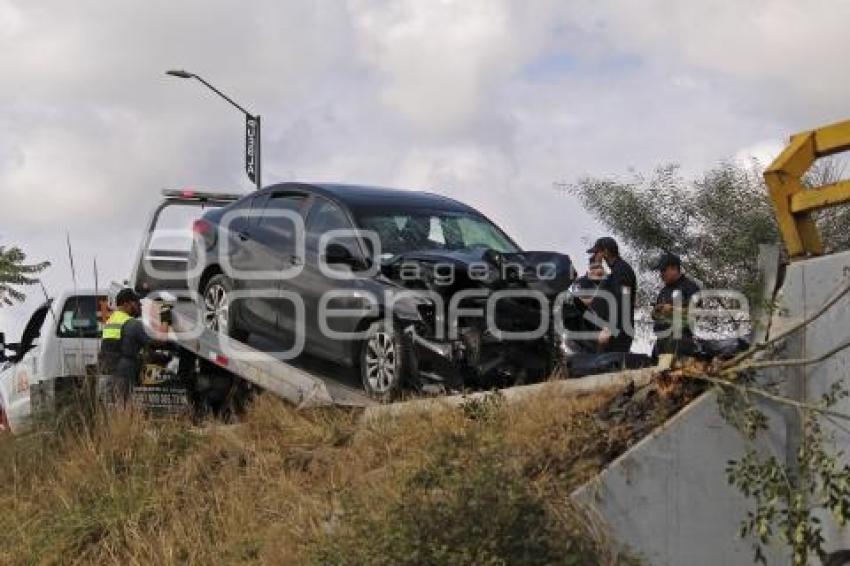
(123, 338)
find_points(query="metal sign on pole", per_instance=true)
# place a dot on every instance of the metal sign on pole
(259, 155)
(252, 149)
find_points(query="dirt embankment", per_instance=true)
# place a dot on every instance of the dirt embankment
(485, 483)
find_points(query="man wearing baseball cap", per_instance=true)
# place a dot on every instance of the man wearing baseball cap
(673, 334)
(123, 338)
(623, 284)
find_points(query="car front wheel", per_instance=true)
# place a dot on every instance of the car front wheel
(384, 362)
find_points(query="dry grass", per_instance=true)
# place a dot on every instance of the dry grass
(486, 483)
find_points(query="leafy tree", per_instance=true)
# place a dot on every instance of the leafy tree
(14, 273)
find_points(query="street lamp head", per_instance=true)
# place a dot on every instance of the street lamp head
(180, 74)
(252, 125)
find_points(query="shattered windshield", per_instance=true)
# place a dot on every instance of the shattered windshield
(401, 232)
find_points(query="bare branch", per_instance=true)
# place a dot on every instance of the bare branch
(745, 389)
(842, 291)
(786, 363)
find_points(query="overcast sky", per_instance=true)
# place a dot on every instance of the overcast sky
(488, 101)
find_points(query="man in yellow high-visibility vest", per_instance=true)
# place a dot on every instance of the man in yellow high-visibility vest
(123, 338)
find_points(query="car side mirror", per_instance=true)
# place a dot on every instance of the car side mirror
(337, 254)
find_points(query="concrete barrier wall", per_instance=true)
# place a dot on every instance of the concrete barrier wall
(668, 499)
(809, 285)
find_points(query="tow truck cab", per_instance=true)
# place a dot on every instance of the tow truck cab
(59, 341)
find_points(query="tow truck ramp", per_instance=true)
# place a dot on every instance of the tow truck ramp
(298, 386)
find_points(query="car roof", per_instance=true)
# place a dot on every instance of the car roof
(363, 196)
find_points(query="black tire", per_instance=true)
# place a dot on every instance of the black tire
(218, 309)
(385, 362)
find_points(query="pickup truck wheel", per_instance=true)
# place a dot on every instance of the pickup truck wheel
(217, 307)
(384, 362)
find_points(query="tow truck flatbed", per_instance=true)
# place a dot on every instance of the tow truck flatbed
(284, 379)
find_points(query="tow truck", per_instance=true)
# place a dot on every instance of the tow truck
(57, 351)
(59, 342)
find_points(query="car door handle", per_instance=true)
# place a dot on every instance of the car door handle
(295, 260)
(244, 236)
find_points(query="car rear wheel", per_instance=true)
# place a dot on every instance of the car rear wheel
(217, 307)
(384, 362)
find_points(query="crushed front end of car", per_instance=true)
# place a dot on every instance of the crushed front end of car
(480, 318)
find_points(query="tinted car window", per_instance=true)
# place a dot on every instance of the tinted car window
(273, 221)
(255, 205)
(325, 216)
(246, 212)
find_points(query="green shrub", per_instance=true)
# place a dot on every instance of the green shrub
(466, 505)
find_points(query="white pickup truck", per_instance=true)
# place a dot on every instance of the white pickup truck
(60, 339)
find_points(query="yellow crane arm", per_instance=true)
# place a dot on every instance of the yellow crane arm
(792, 201)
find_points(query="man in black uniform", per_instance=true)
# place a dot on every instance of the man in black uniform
(587, 290)
(670, 312)
(623, 284)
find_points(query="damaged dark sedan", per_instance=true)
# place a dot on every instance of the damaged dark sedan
(418, 290)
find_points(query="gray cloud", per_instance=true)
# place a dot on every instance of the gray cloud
(489, 101)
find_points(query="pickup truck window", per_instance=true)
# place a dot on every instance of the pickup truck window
(80, 317)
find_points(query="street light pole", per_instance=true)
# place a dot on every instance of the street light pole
(253, 149)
